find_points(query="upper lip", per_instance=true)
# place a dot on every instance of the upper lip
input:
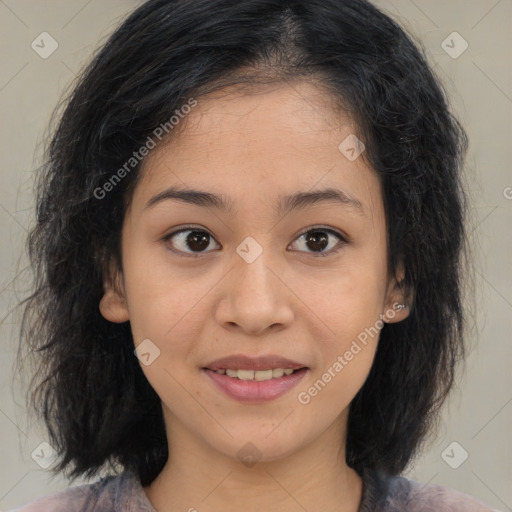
(243, 362)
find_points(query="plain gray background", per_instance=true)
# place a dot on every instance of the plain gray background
(478, 419)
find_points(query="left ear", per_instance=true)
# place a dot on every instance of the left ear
(398, 300)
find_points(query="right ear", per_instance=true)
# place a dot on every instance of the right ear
(113, 304)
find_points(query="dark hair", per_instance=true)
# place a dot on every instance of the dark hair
(91, 391)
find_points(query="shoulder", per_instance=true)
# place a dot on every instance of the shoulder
(434, 497)
(397, 493)
(121, 492)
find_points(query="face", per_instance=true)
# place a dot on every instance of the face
(255, 272)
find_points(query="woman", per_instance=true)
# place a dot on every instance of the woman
(249, 263)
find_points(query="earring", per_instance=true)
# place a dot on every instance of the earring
(399, 307)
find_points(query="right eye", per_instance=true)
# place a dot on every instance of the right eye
(189, 242)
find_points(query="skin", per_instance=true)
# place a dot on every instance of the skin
(253, 148)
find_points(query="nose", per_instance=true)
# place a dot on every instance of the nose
(255, 298)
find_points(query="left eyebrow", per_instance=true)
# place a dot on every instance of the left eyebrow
(301, 200)
(285, 204)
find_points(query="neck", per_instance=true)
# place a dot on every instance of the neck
(198, 477)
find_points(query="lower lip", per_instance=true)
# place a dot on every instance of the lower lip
(255, 391)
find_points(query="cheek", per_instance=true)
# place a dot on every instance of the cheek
(349, 304)
(352, 319)
(347, 298)
(333, 389)
(172, 318)
(170, 311)
(162, 298)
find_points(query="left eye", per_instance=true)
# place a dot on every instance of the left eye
(194, 242)
(318, 241)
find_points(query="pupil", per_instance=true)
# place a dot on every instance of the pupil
(318, 239)
(198, 240)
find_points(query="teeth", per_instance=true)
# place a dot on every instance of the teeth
(258, 375)
(263, 375)
(245, 374)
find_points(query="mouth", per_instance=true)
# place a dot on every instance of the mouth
(257, 375)
(253, 387)
(254, 379)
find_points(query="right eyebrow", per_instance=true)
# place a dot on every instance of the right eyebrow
(191, 196)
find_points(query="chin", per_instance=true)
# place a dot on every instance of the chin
(266, 445)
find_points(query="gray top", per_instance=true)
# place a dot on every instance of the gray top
(381, 493)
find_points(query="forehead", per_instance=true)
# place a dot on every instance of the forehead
(264, 115)
(270, 141)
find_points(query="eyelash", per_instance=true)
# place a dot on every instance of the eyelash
(342, 241)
